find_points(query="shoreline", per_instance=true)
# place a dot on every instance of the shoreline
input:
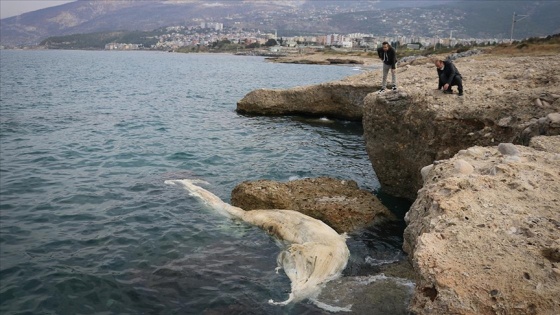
(467, 164)
(320, 58)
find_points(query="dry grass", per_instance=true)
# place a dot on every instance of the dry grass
(527, 49)
(530, 47)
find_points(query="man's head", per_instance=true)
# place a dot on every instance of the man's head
(385, 46)
(438, 63)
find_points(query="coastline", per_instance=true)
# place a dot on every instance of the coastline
(469, 166)
(321, 58)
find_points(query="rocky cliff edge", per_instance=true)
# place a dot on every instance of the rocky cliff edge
(507, 99)
(484, 232)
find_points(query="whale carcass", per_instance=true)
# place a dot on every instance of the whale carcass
(315, 255)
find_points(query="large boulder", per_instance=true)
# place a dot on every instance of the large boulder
(484, 233)
(506, 100)
(340, 100)
(341, 204)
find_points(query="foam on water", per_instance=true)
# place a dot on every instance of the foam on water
(376, 294)
(315, 253)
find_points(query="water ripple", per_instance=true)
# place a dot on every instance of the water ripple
(87, 225)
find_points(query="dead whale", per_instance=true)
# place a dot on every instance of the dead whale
(315, 253)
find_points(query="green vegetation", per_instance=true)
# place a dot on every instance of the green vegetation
(438, 49)
(99, 40)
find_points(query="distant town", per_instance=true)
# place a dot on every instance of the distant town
(208, 35)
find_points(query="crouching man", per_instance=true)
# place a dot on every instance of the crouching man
(448, 77)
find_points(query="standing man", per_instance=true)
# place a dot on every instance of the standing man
(448, 76)
(389, 57)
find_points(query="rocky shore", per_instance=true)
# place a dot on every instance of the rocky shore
(507, 99)
(325, 59)
(341, 100)
(483, 233)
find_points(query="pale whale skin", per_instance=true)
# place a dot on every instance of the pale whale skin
(315, 255)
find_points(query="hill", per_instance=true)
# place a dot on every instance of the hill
(486, 19)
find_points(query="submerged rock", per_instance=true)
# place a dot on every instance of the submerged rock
(338, 203)
(372, 295)
(488, 241)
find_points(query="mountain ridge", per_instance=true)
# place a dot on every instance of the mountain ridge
(486, 19)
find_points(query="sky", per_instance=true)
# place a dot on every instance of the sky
(10, 8)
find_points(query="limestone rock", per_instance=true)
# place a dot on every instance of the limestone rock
(508, 149)
(338, 203)
(463, 167)
(425, 171)
(549, 125)
(487, 242)
(411, 128)
(335, 100)
(417, 125)
(546, 143)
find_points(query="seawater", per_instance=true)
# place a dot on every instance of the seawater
(87, 139)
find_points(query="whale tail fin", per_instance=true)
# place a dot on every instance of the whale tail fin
(207, 197)
(309, 266)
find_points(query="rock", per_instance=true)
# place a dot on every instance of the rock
(539, 103)
(338, 203)
(549, 125)
(467, 53)
(412, 128)
(508, 149)
(372, 295)
(463, 167)
(554, 119)
(487, 243)
(409, 129)
(483, 231)
(546, 143)
(335, 100)
(504, 122)
(425, 171)
(322, 59)
(343, 61)
(547, 97)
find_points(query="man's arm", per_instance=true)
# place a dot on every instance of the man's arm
(394, 56)
(452, 72)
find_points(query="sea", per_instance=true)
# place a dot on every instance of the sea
(87, 225)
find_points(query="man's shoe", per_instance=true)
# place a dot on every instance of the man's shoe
(448, 91)
(381, 91)
(461, 93)
(394, 88)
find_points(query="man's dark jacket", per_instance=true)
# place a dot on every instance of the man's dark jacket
(448, 73)
(389, 57)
